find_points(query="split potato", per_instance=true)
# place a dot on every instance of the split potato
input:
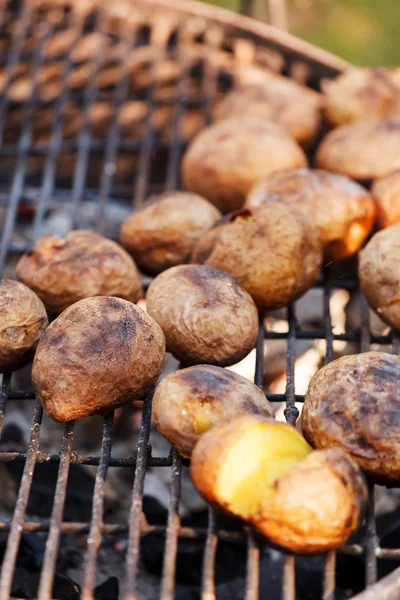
(342, 210)
(264, 472)
(386, 192)
(163, 232)
(273, 251)
(83, 264)
(187, 403)
(99, 354)
(353, 403)
(205, 315)
(227, 158)
(362, 150)
(23, 321)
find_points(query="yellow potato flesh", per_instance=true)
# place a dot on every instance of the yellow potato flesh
(261, 457)
(203, 419)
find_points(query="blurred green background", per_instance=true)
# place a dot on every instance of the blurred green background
(365, 32)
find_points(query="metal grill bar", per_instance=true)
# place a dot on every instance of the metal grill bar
(210, 551)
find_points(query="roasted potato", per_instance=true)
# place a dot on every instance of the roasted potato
(162, 233)
(205, 315)
(363, 150)
(379, 274)
(342, 210)
(264, 472)
(361, 94)
(187, 403)
(353, 403)
(84, 264)
(279, 101)
(227, 158)
(23, 321)
(100, 353)
(386, 191)
(273, 251)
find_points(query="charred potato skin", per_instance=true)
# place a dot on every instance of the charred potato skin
(100, 353)
(273, 251)
(23, 321)
(342, 210)
(353, 404)
(378, 271)
(182, 397)
(206, 316)
(83, 264)
(162, 233)
(227, 158)
(386, 191)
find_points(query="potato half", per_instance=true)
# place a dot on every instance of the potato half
(23, 321)
(205, 315)
(273, 251)
(264, 472)
(353, 403)
(386, 192)
(342, 210)
(100, 353)
(162, 233)
(187, 403)
(83, 264)
(379, 274)
(227, 158)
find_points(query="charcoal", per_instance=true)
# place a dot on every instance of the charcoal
(108, 590)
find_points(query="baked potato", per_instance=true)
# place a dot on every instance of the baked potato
(205, 315)
(227, 158)
(342, 210)
(162, 233)
(23, 321)
(264, 472)
(187, 403)
(273, 251)
(99, 354)
(386, 192)
(83, 264)
(362, 150)
(353, 403)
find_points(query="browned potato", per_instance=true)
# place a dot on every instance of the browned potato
(360, 94)
(84, 264)
(386, 191)
(23, 320)
(273, 251)
(353, 403)
(341, 209)
(277, 101)
(227, 158)
(100, 353)
(363, 150)
(379, 274)
(187, 403)
(163, 232)
(205, 315)
(264, 472)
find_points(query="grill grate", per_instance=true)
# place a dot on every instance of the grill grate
(44, 165)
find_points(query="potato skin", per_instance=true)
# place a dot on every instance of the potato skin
(386, 192)
(276, 101)
(227, 158)
(82, 265)
(205, 315)
(379, 274)
(273, 251)
(183, 399)
(100, 353)
(317, 505)
(162, 233)
(362, 150)
(342, 210)
(353, 403)
(23, 321)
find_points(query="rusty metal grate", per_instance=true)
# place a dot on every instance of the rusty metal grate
(43, 90)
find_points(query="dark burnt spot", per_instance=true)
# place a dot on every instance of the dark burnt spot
(363, 443)
(203, 382)
(340, 420)
(94, 345)
(113, 303)
(125, 329)
(55, 339)
(391, 124)
(250, 406)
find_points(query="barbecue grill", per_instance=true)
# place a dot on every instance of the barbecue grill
(68, 71)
